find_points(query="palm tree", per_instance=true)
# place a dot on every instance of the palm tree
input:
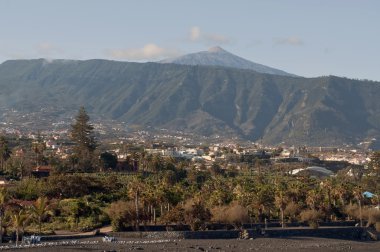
(18, 219)
(359, 196)
(39, 209)
(314, 198)
(281, 198)
(263, 200)
(135, 188)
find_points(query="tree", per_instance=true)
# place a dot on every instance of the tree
(19, 218)
(281, 199)
(358, 193)
(109, 160)
(196, 214)
(135, 188)
(5, 152)
(39, 210)
(314, 198)
(83, 136)
(3, 202)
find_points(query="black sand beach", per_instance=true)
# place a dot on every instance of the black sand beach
(260, 244)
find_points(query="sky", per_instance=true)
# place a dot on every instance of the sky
(305, 37)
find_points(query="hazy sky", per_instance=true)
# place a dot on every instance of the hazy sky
(304, 37)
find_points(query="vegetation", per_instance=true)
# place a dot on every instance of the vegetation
(83, 136)
(84, 201)
(165, 190)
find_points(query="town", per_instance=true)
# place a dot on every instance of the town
(203, 152)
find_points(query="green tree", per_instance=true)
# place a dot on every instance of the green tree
(196, 214)
(82, 134)
(281, 199)
(5, 152)
(19, 218)
(135, 189)
(3, 204)
(109, 160)
(39, 210)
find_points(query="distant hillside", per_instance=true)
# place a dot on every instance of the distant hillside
(216, 56)
(202, 99)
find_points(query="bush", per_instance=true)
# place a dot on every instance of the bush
(88, 224)
(352, 211)
(73, 186)
(373, 216)
(122, 214)
(196, 215)
(292, 210)
(312, 217)
(58, 223)
(233, 214)
(377, 226)
(28, 189)
(175, 215)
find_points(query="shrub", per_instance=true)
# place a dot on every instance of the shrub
(88, 224)
(219, 214)
(312, 217)
(377, 226)
(373, 216)
(196, 215)
(352, 211)
(233, 214)
(122, 214)
(175, 215)
(292, 209)
(28, 189)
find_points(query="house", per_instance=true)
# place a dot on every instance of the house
(41, 171)
(3, 182)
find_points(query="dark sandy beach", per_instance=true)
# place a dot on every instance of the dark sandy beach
(260, 244)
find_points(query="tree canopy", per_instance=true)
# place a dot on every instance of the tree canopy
(82, 134)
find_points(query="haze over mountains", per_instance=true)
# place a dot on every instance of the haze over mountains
(206, 100)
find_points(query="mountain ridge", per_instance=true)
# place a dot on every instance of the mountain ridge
(217, 56)
(205, 100)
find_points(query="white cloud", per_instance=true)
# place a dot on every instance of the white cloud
(294, 41)
(196, 35)
(148, 52)
(47, 49)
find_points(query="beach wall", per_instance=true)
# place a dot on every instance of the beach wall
(348, 233)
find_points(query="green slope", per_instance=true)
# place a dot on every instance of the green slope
(202, 99)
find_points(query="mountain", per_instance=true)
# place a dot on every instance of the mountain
(216, 56)
(202, 99)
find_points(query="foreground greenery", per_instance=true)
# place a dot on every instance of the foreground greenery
(86, 191)
(179, 195)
